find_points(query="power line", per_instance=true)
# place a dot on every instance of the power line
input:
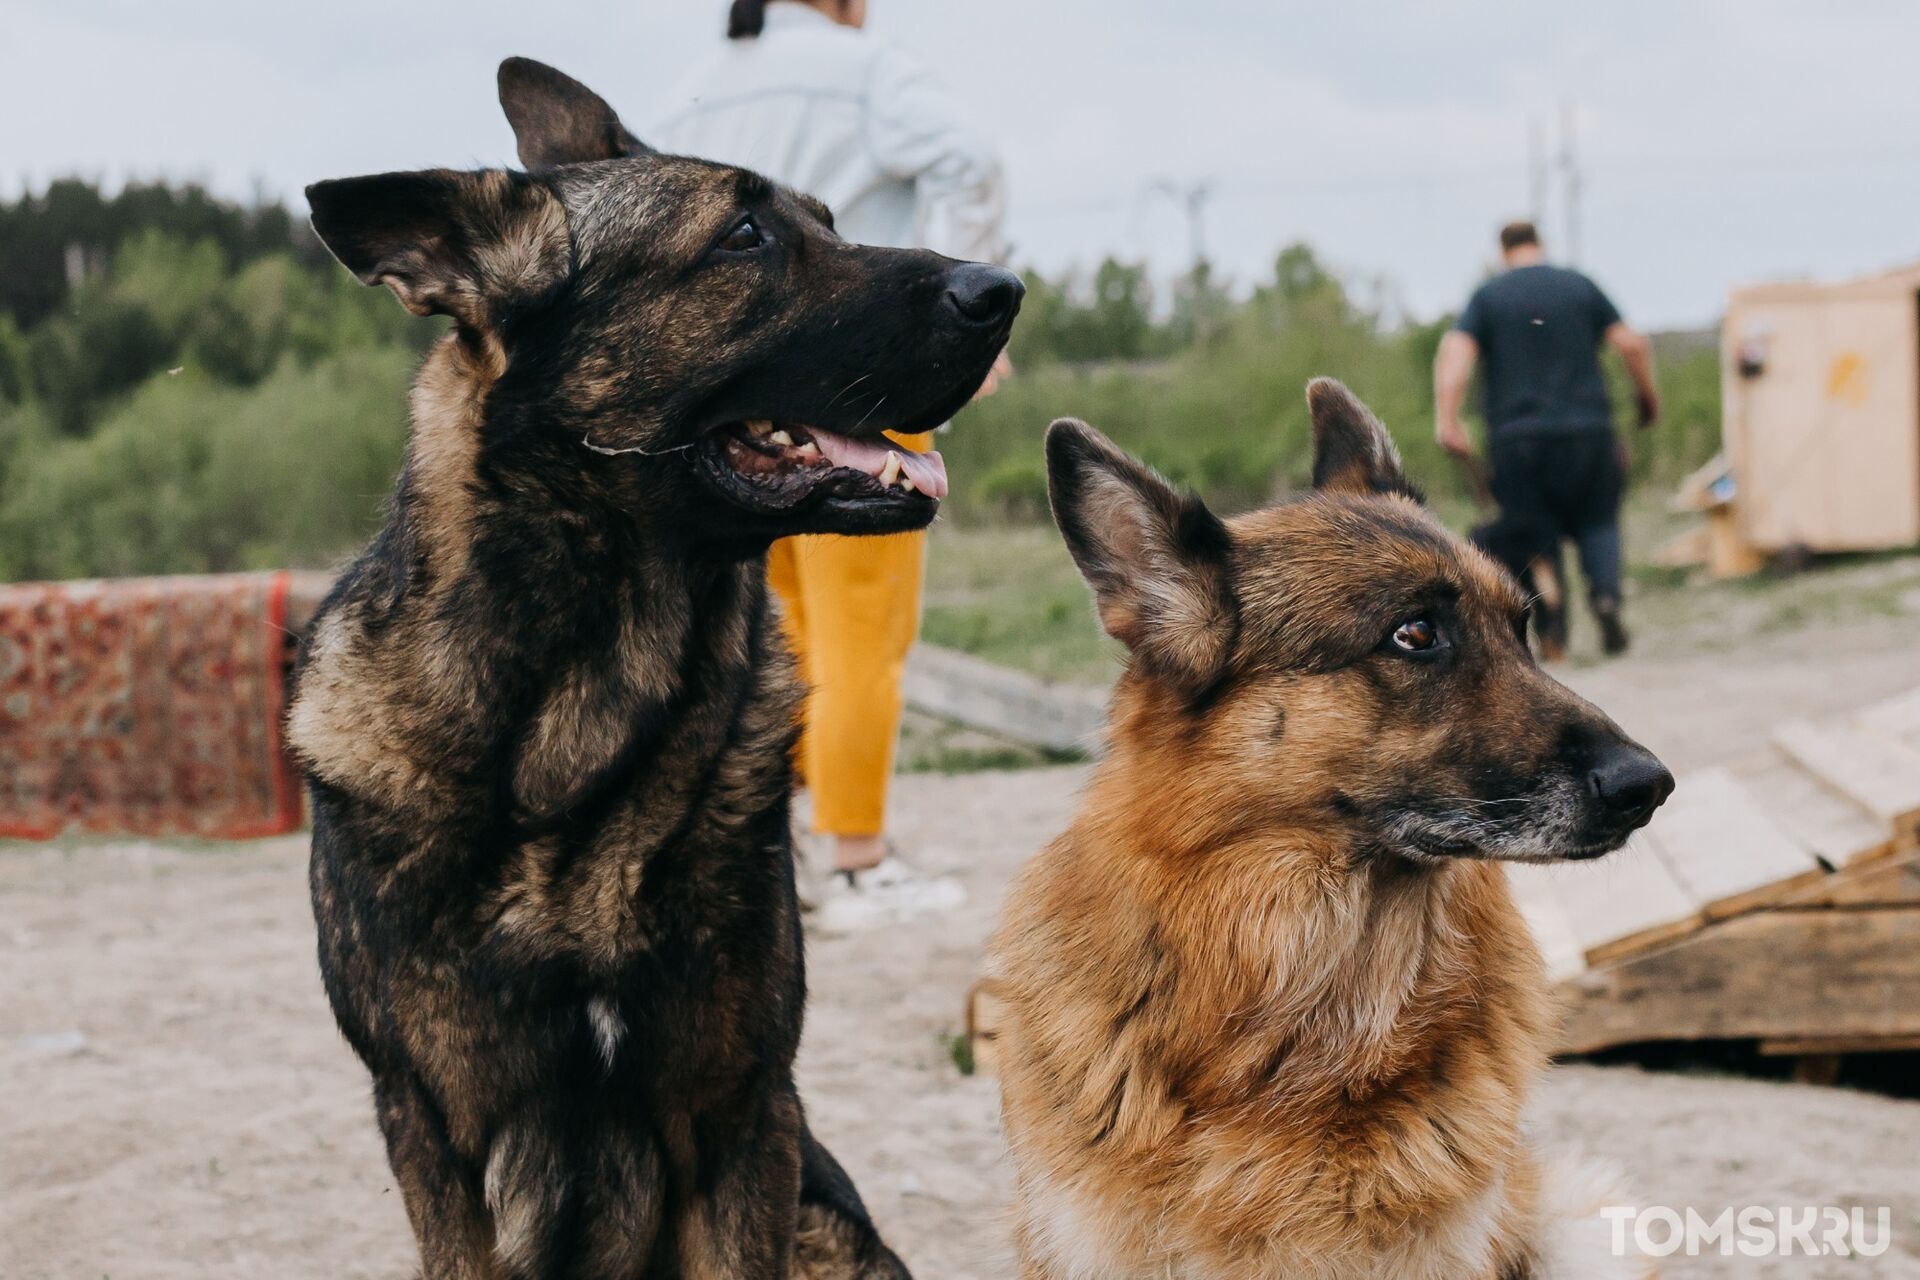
(1192, 199)
(1895, 164)
(1536, 169)
(1570, 175)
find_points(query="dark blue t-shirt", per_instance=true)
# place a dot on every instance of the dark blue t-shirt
(1539, 329)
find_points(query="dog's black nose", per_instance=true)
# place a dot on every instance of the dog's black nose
(1630, 782)
(984, 295)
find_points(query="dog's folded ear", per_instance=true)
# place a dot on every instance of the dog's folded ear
(557, 120)
(467, 245)
(1352, 452)
(1156, 558)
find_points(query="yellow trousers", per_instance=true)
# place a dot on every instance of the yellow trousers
(852, 612)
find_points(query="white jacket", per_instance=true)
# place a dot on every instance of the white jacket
(852, 120)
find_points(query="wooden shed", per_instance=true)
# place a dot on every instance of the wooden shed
(1821, 413)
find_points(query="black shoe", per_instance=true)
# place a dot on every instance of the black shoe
(1549, 610)
(1613, 632)
(1550, 631)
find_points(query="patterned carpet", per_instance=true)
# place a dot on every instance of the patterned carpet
(145, 706)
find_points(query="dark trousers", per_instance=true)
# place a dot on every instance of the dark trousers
(1554, 487)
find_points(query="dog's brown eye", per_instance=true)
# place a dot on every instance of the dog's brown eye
(1416, 635)
(743, 237)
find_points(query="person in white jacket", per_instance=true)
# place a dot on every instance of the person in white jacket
(803, 95)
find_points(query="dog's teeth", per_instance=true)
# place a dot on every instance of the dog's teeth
(781, 437)
(760, 427)
(807, 446)
(891, 471)
(906, 482)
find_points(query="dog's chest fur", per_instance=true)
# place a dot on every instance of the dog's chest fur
(1285, 1074)
(550, 815)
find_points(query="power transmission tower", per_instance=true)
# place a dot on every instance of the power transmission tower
(1536, 169)
(1192, 199)
(1570, 176)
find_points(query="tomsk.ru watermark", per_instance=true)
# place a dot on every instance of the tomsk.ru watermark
(1757, 1231)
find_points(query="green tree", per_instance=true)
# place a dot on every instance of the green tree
(16, 362)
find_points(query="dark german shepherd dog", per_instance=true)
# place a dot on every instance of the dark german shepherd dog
(546, 715)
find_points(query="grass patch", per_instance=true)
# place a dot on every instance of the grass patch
(959, 1051)
(1013, 596)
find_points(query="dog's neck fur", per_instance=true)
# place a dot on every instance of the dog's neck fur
(506, 602)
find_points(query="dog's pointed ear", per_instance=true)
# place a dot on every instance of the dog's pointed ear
(467, 245)
(1156, 558)
(557, 120)
(1352, 452)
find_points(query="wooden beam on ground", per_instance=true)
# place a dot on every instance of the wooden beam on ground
(1724, 850)
(965, 689)
(1771, 975)
(1624, 903)
(1879, 773)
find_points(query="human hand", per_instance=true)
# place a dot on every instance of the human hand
(1453, 438)
(1648, 405)
(1002, 369)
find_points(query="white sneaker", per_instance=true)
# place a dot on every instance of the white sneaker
(808, 881)
(886, 893)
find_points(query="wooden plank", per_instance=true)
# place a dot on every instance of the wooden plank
(1787, 1047)
(1826, 823)
(1876, 772)
(1769, 975)
(1724, 850)
(1889, 882)
(981, 695)
(1546, 917)
(1687, 549)
(1625, 903)
(1897, 717)
(1729, 554)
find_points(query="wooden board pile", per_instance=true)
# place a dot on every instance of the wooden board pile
(1776, 900)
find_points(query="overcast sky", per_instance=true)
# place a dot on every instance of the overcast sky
(1721, 141)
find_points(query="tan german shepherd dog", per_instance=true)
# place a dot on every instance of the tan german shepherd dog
(1271, 1010)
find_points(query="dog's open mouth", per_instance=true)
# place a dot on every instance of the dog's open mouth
(773, 466)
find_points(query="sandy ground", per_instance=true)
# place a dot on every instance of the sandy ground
(174, 1100)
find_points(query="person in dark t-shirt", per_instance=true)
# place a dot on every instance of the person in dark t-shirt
(1558, 468)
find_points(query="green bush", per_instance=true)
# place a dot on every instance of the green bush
(1016, 488)
(193, 476)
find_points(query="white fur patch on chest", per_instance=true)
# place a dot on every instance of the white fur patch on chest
(609, 1028)
(1078, 1236)
(1074, 1236)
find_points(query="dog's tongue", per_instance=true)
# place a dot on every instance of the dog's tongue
(927, 470)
